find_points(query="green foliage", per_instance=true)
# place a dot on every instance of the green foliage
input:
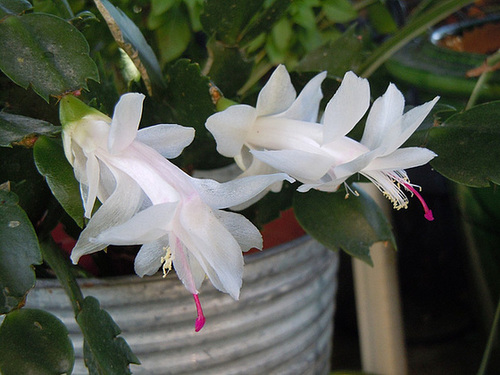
(13, 7)
(105, 353)
(129, 37)
(19, 251)
(15, 128)
(53, 165)
(46, 53)
(352, 224)
(35, 342)
(467, 145)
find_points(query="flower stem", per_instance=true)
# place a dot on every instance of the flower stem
(483, 79)
(491, 340)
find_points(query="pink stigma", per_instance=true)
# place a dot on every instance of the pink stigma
(427, 211)
(200, 319)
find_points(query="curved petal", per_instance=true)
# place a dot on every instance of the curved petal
(148, 259)
(168, 139)
(187, 267)
(230, 128)
(304, 166)
(277, 94)
(118, 208)
(92, 171)
(242, 229)
(145, 226)
(411, 120)
(213, 246)
(306, 106)
(125, 122)
(402, 158)
(347, 107)
(385, 112)
(235, 192)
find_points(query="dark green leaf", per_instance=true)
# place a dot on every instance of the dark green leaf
(13, 7)
(265, 21)
(381, 19)
(45, 52)
(15, 128)
(130, 39)
(327, 57)
(173, 35)
(105, 353)
(467, 146)
(35, 342)
(339, 11)
(53, 165)
(191, 102)
(352, 224)
(227, 18)
(230, 69)
(19, 251)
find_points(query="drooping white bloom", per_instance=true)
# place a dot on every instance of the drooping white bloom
(284, 133)
(148, 200)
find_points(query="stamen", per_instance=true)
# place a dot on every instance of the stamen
(200, 319)
(427, 211)
(166, 261)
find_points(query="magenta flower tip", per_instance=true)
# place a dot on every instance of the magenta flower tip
(200, 319)
(428, 215)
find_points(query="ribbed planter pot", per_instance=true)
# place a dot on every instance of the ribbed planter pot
(282, 323)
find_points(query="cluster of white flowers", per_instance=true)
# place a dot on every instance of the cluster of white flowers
(179, 220)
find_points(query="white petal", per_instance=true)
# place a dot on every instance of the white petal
(148, 259)
(384, 113)
(213, 246)
(306, 106)
(347, 107)
(402, 158)
(235, 192)
(411, 121)
(245, 233)
(92, 170)
(277, 94)
(304, 166)
(230, 128)
(125, 122)
(168, 139)
(118, 208)
(187, 267)
(145, 226)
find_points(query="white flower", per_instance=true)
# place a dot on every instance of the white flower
(179, 219)
(282, 132)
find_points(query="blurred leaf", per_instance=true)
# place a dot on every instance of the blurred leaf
(229, 68)
(339, 11)
(13, 7)
(173, 35)
(418, 25)
(104, 352)
(227, 18)
(327, 57)
(352, 224)
(59, 8)
(467, 146)
(381, 19)
(45, 52)
(19, 251)
(35, 342)
(128, 37)
(15, 128)
(265, 21)
(53, 165)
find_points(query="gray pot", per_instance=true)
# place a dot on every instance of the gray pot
(282, 323)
